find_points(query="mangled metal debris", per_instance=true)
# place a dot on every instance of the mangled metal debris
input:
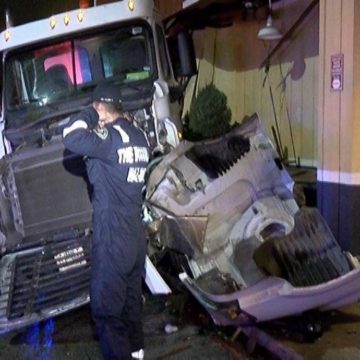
(250, 252)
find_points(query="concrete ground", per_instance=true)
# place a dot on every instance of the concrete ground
(341, 341)
(71, 336)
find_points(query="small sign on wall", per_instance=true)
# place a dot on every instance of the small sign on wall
(337, 72)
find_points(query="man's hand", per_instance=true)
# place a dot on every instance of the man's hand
(101, 124)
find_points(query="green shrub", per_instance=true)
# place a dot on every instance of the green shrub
(209, 115)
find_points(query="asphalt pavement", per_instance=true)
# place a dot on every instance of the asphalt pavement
(177, 328)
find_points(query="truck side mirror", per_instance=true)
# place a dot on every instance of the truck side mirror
(183, 55)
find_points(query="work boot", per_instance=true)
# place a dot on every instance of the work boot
(138, 354)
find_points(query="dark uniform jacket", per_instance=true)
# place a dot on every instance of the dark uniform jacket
(116, 161)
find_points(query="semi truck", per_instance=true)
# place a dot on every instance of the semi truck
(49, 69)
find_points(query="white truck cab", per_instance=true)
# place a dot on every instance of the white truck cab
(52, 65)
(49, 69)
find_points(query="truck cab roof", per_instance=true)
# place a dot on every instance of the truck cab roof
(74, 21)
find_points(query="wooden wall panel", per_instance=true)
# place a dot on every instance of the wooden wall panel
(356, 87)
(235, 70)
(168, 7)
(295, 104)
(347, 125)
(339, 112)
(331, 103)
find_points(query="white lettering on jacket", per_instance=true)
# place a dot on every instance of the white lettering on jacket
(126, 155)
(133, 154)
(136, 174)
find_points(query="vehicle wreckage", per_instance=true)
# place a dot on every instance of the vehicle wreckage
(224, 207)
(250, 253)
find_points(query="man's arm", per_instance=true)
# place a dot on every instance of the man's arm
(80, 137)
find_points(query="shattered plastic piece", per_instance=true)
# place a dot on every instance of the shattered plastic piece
(169, 329)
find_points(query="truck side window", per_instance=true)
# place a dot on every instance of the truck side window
(12, 91)
(125, 58)
(64, 60)
(58, 78)
(85, 65)
(162, 52)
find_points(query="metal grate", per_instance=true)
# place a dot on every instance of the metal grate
(49, 276)
(49, 192)
(218, 156)
(309, 255)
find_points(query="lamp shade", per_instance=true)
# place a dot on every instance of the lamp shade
(269, 32)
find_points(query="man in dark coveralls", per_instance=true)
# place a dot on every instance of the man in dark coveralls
(116, 154)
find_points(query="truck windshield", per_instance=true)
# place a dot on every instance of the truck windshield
(53, 73)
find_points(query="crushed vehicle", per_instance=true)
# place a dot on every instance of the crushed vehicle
(243, 247)
(225, 207)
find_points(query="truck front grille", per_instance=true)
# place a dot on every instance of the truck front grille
(49, 276)
(48, 193)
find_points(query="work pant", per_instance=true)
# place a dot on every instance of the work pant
(116, 279)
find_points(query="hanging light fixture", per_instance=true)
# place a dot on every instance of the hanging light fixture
(269, 32)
